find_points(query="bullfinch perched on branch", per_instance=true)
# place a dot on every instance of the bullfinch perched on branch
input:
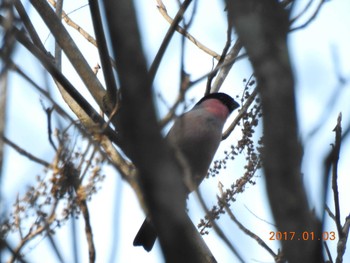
(196, 135)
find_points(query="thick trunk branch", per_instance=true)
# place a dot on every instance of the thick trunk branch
(159, 172)
(262, 27)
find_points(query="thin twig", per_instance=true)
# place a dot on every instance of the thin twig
(28, 25)
(244, 229)
(185, 78)
(80, 193)
(25, 153)
(310, 19)
(261, 219)
(341, 246)
(222, 58)
(336, 152)
(74, 25)
(171, 113)
(3, 100)
(53, 243)
(71, 50)
(226, 66)
(226, 63)
(80, 30)
(330, 260)
(57, 107)
(49, 128)
(156, 62)
(58, 49)
(88, 230)
(302, 12)
(17, 218)
(12, 251)
(88, 163)
(329, 212)
(113, 156)
(110, 153)
(33, 233)
(242, 111)
(162, 9)
(84, 105)
(111, 95)
(217, 229)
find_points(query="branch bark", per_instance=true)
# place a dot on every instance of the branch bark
(159, 172)
(71, 50)
(262, 27)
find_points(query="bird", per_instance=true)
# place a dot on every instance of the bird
(196, 134)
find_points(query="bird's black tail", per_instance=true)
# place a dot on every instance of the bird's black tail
(146, 236)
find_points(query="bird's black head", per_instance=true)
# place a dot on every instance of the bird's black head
(228, 101)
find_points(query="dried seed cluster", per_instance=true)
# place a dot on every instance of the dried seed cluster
(249, 147)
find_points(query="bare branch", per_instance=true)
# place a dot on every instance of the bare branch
(169, 116)
(159, 172)
(306, 7)
(74, 25)
(226, 65)
(86, 113)
(114, 157)
(242, 111)
(314, 15)
(212, 221)
(25, 153)
(77, 27)
(335, 159)
(341, 247)
(331, 164)
(57, 107)
(328, 252)
(49, 128)
(32, 233)
(262, 26)
(3, 99)
(88, 229)
(58, 49)
(53, 243)
(71, 50)
(222, 58)
(330, 213)
(162, 9)
(156, 62)
(28, 24)
(244, 229)
(110, 98)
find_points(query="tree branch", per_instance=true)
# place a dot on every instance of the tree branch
(167, 38)
(110, 98)
(162, 9)
(314, 15)
(3, 99)
(159, 173)
(262, 26)
(23, 152)
(71, 50)
(86, 113)
(244, 229)
(335, 159)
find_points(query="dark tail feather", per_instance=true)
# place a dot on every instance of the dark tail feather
(146, 236)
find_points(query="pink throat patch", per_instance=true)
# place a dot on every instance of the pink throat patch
(216, 107)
